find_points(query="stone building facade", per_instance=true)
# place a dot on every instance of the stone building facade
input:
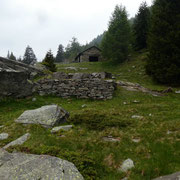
(92, 54)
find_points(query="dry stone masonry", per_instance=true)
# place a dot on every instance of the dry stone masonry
(79, 85)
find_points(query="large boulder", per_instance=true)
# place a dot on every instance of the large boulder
(14, 78)
(175, 176)
(32, 167)
(14, 83)
(47, 116)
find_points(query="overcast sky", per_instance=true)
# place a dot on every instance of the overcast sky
(44, 24)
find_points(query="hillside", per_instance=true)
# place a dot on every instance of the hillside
(146, 128)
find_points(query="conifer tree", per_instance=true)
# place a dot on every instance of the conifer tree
(29, 56)
(164, 42)
(49, 61)
(60, 54)
(12, 57)
(141, 26)
(116, 41)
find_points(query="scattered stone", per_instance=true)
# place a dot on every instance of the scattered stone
(175, 176)
(137, 117)
(136, 140)
(168, 90)
(136, 87)
(125, 178)
(83, 68)
(127, 165)
(150, 114)
(18, 141)
(133, 66)
(47, 116)
(29, 166)
(1, 126)
(65, 128)
(169, 132)
(4, 136)
(136, 101)
(111, 139)
(177, 92)
(84, 105)
(124, 103)
(62, 136)
(71, 68)
(34, 99)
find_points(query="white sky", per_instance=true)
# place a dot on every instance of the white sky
(44, 24)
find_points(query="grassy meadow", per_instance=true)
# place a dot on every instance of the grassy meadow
(156, 154)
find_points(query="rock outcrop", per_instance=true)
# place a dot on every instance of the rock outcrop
(175, 176)
(15, 84)
(14, 78)
(32, 167)
(47, 116)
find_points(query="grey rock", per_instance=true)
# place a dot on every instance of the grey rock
(34, 99)
(65, 128)
(4, 136)
(71, 68)
(136, 140)
(33, 167)
(1, 126)
(47, 116)
(111, 139)
(18, 141)
(137, 87)
(137, 117)
(177, 92)
(127, 165)
(84, 105)
(14, 77)
(15, 84)
(175, 176)
(136, 101)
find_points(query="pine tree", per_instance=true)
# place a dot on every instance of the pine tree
(8, 55)
(60, 54)
(12, 57)
(164, 42)
(141, 26)
(49, 61)
(72, 49)
(29, 56)
(116, 41)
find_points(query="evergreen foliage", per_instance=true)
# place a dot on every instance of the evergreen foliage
(141, 26)
(60, 54)
(164, 42)
(29, 56)
(73, 49)
(116, 42)
(12, 57)
(8, 55)
(49, 61)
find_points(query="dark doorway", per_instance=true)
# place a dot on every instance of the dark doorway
(93, 58)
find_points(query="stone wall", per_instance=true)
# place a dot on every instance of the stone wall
(93, 88)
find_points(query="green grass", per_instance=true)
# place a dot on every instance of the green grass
(156, 154)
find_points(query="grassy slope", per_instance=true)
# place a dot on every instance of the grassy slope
(157, 153)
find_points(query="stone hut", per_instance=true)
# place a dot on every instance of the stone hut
(92, 54)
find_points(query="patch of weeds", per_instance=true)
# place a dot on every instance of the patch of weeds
(96, 120)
